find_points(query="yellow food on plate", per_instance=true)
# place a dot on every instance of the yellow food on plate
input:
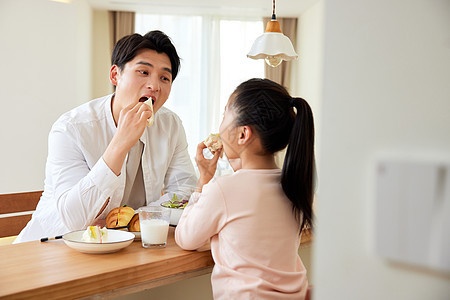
(119, 216)
(95, 234)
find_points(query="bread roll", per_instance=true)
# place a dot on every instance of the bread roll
(214, 143)
(150, 120)
(119, 216)
(134, 223)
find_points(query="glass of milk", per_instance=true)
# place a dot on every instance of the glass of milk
(154, 222)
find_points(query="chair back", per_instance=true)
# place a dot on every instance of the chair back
(16, 210)
(308, 293)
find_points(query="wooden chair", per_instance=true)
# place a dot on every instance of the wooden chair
(309, 293)
(16, 210)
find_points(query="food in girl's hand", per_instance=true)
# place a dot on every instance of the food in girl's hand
(214, 143)
(150, 121)
(134, 223)
(95, 234)
(119, 216)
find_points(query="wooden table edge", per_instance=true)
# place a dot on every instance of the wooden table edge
(139, 287)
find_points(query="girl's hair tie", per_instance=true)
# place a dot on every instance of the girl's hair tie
(292, 102)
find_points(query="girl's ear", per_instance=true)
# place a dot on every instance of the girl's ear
(113, 75)
(245, 135)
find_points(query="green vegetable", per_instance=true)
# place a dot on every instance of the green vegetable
(175, 202)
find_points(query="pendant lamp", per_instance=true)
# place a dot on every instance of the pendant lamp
(273, 46)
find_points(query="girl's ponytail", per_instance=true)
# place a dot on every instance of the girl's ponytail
(298, 169)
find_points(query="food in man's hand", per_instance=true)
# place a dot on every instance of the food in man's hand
(214, 143)
(95, 234)
(150, 121)
(134, 223)
(119, 216)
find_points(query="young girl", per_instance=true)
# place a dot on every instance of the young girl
(254, 217)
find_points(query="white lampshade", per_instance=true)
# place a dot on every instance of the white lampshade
(273, 47)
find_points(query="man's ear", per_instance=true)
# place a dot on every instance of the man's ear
(245, 135)
(113, 75)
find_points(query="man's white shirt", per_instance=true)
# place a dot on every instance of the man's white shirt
(78, 181)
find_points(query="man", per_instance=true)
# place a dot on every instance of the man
(103, 155)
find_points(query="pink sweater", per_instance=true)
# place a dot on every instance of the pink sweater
(254, 236)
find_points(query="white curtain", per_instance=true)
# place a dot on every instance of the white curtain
(213, 62)
(212, 79)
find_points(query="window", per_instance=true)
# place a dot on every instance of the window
(213, 62)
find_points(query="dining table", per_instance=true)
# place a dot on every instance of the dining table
(53, 270)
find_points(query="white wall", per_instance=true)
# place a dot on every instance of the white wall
(308, 83)
(386, 87)
(101, 54)
(45, 51)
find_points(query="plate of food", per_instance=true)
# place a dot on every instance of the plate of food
(96, 240)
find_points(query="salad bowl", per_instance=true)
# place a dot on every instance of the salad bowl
(176, 207)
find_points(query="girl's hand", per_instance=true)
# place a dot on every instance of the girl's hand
(206, 167)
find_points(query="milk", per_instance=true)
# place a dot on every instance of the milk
(154, 231)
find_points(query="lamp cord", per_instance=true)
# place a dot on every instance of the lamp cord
(273, 11)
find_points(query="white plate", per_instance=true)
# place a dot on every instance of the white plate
(137, 235)
(117, 239)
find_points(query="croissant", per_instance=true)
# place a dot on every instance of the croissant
(119, 216)
(134, 223)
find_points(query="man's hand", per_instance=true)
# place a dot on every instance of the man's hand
(206, 167)
(130, 127)
(131, 124)
(99, 222)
